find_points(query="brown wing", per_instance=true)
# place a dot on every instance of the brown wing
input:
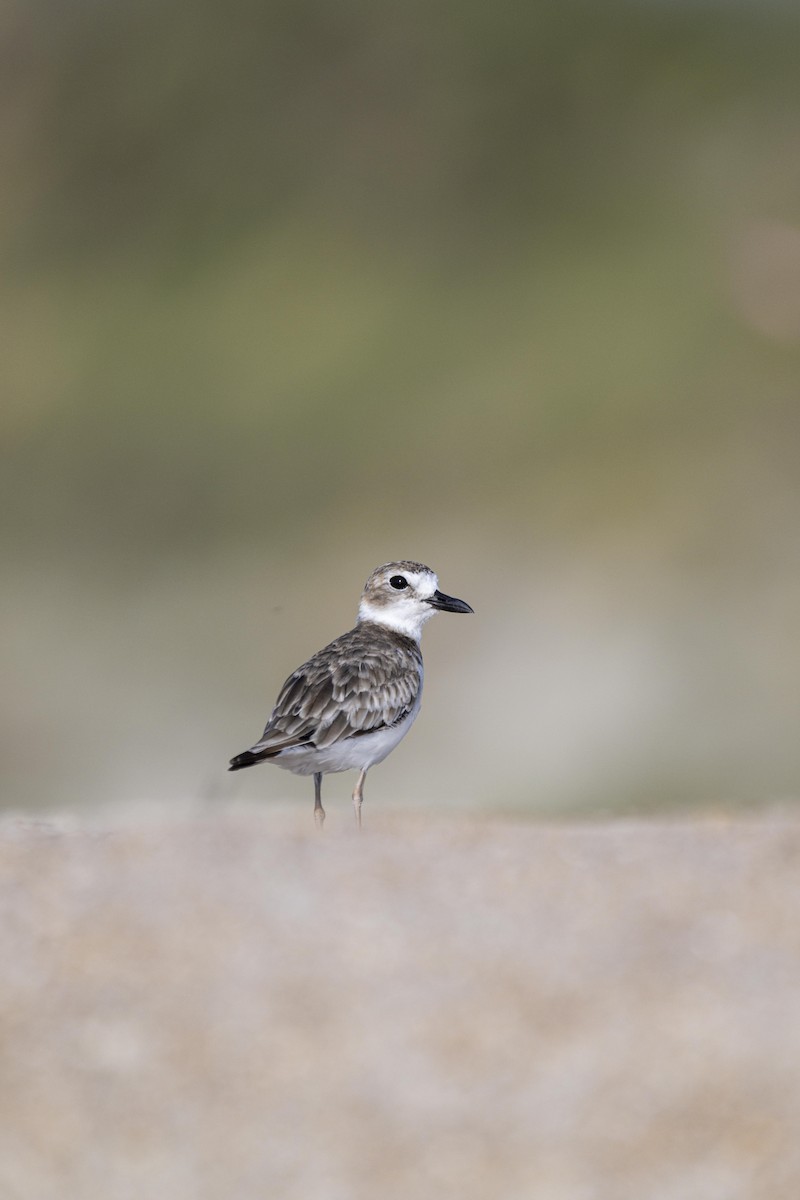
(366, 680)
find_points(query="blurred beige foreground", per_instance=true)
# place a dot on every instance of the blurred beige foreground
(228, 1005)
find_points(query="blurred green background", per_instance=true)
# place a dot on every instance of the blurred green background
(292, 289)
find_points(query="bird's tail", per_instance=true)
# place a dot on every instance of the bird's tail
(269, 747)
(246, 759)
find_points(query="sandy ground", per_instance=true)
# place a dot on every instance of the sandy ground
(229, 1005)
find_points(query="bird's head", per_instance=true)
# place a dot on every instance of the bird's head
(403, 595)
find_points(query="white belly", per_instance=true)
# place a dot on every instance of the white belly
(353, 753)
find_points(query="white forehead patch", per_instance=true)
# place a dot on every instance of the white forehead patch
(425, 583)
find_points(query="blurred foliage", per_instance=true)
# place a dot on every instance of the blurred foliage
(286, 276)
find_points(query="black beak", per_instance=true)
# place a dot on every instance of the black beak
(448, 603)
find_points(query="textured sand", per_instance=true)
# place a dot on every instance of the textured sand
(230, 1006)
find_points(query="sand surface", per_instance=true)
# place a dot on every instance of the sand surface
(227, 1005)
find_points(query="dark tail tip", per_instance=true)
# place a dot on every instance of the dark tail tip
(245, 759)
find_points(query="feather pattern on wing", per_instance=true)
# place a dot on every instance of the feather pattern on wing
(367, 679)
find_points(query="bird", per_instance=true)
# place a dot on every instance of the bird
(356, 699)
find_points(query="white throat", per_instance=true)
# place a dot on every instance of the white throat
(406, 619)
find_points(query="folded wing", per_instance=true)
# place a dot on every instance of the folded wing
(352, 687)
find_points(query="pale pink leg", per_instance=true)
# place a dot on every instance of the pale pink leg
(319, 811)
(358, 795)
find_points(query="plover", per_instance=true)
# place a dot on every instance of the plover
(349, 706)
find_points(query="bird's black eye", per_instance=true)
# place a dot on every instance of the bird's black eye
(399, 582)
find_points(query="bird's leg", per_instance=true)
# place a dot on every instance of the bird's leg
(319, 811)
(358, 795)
